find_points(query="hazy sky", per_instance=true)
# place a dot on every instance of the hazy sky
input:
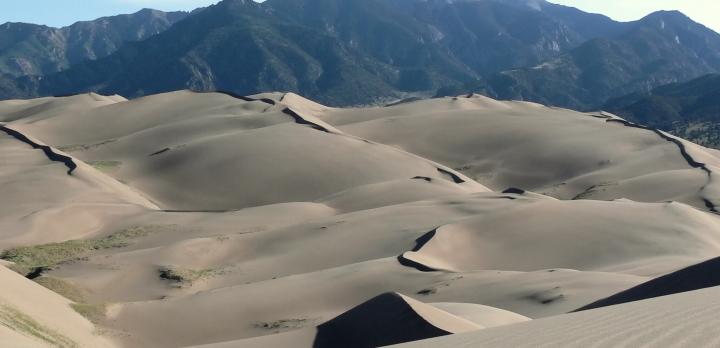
(706, 12)
(64, 12)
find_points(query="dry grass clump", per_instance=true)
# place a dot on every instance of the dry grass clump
(46, 256)
(184, 277)
(26, 325)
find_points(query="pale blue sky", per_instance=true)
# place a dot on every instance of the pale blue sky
(64, 12)
(706, 12)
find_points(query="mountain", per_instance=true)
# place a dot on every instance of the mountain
(337, 52)
(30, 49)
(661, 48)
(690, 110)
(350, 52)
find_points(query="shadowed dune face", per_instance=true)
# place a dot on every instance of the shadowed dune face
(703, 275)
(269, 220)
(381, 321)
(683, 320)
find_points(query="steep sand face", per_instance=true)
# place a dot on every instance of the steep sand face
(699, 276)
(32, 316)
(681, 320)
(211, 219)
(387, 319)
(484, 316)
(42, 203)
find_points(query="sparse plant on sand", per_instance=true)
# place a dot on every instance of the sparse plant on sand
(20, 322)
(93, 312)
(105, 166)
(184, 277)
(46, 256)
(282, 324)
(63, 288)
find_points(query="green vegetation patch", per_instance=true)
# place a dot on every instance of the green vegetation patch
(95, 313)
(30, 258)
(92, 312)
(24, 324)
(182, 277)
(105, 166)
(27, 259)
(83, 147)
(63, 288)
(282, 324)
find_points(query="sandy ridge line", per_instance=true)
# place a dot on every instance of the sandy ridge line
(419, 244)
(683, 152)
(421, 241)
(49, 152)
(299, 119)
(241, 97)
(287, 111)
(695, 277)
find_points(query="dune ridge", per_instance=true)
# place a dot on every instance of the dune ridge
(218, 220)
(683, 151)
(686, 319)
(695, 277)
(387, 319)
(49, 152)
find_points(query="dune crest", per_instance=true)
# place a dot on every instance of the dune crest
(221, 220)
(387, 319)
(703, 275)
(663, 321)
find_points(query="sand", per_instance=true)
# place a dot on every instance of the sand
(206, 219)
(699, 276)
(33, 316)
(682, 320)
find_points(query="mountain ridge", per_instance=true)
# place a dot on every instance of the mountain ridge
(369, 52)
(32, 49)
(663, 47)
(688, 109)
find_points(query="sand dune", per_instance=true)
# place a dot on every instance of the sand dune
(32, 316)
(484, 316)
(43, 193)
(623, 236)
(208, 219)
(554, 151)
(681, 320)
(172, 141)
(387, 319)
(700, 276)
(384, 319)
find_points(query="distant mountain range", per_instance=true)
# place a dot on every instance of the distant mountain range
(690, 110)
(661, 48)
(30, 49)
(349, 52)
